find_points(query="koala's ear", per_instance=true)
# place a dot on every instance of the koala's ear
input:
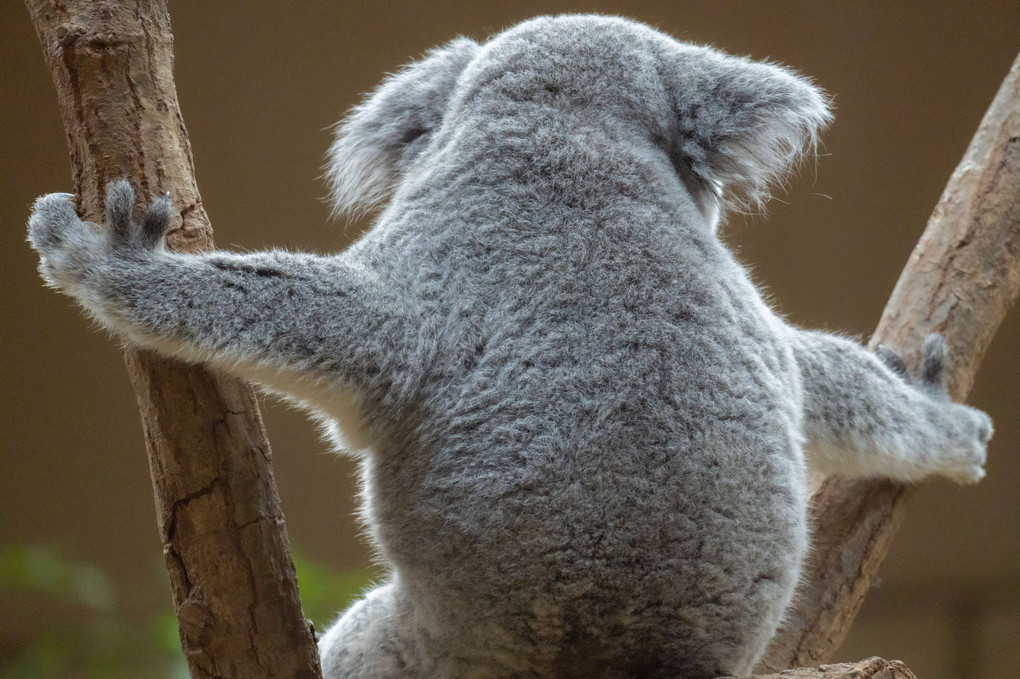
(381, 136)
(743, 124)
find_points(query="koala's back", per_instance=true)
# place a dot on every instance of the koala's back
(603, 458)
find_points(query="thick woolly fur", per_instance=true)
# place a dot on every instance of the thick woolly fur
(582, 428)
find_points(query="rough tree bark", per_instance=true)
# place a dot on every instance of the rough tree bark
(962, 277)
(872, 668)
(224, 540)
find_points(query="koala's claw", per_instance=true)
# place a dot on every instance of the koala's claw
(157, 221)
(933, 361)
(892, 360)
(120, 201)
(931, 375)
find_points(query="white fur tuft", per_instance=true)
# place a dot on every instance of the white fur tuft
(744, 124)
(383, 135)
(749, 165)
(359, 171)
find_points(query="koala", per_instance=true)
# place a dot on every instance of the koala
(581, 430)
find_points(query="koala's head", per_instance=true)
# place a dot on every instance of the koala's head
(735, 125)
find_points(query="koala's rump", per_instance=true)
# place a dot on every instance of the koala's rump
(648, 512)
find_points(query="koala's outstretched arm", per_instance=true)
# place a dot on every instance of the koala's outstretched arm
(250, 313)
(864, 415)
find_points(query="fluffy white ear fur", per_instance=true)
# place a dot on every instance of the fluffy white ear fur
(743, 124)
(381, 135)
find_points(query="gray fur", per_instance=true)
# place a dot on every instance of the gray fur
(581, 429)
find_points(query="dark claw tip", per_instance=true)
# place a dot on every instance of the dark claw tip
(933, 358)
(892, 360)
(120, 201)
(158, 219)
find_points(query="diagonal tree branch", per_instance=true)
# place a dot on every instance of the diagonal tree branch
(962, 277)
(224, 540)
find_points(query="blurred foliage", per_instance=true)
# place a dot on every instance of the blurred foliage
(102, 642)
(325, 592)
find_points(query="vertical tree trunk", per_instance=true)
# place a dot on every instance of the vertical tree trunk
(224, 540)
(960, 280)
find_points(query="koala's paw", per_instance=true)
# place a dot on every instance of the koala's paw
(968, 431)
(974, 431)
(124, 234)
(66, 245)
(72, 250)
(964, 431)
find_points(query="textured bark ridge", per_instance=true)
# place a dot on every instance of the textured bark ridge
(962, 277)
(872, 668)
(224, 540)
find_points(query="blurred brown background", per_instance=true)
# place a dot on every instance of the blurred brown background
(259, 82)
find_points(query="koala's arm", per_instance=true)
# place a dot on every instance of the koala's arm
(255, 314)
(864, 415)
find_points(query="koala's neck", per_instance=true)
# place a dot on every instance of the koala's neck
(543, 173)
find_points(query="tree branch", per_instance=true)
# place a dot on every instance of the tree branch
(872, 668)
(224, 540)
(962, 277)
